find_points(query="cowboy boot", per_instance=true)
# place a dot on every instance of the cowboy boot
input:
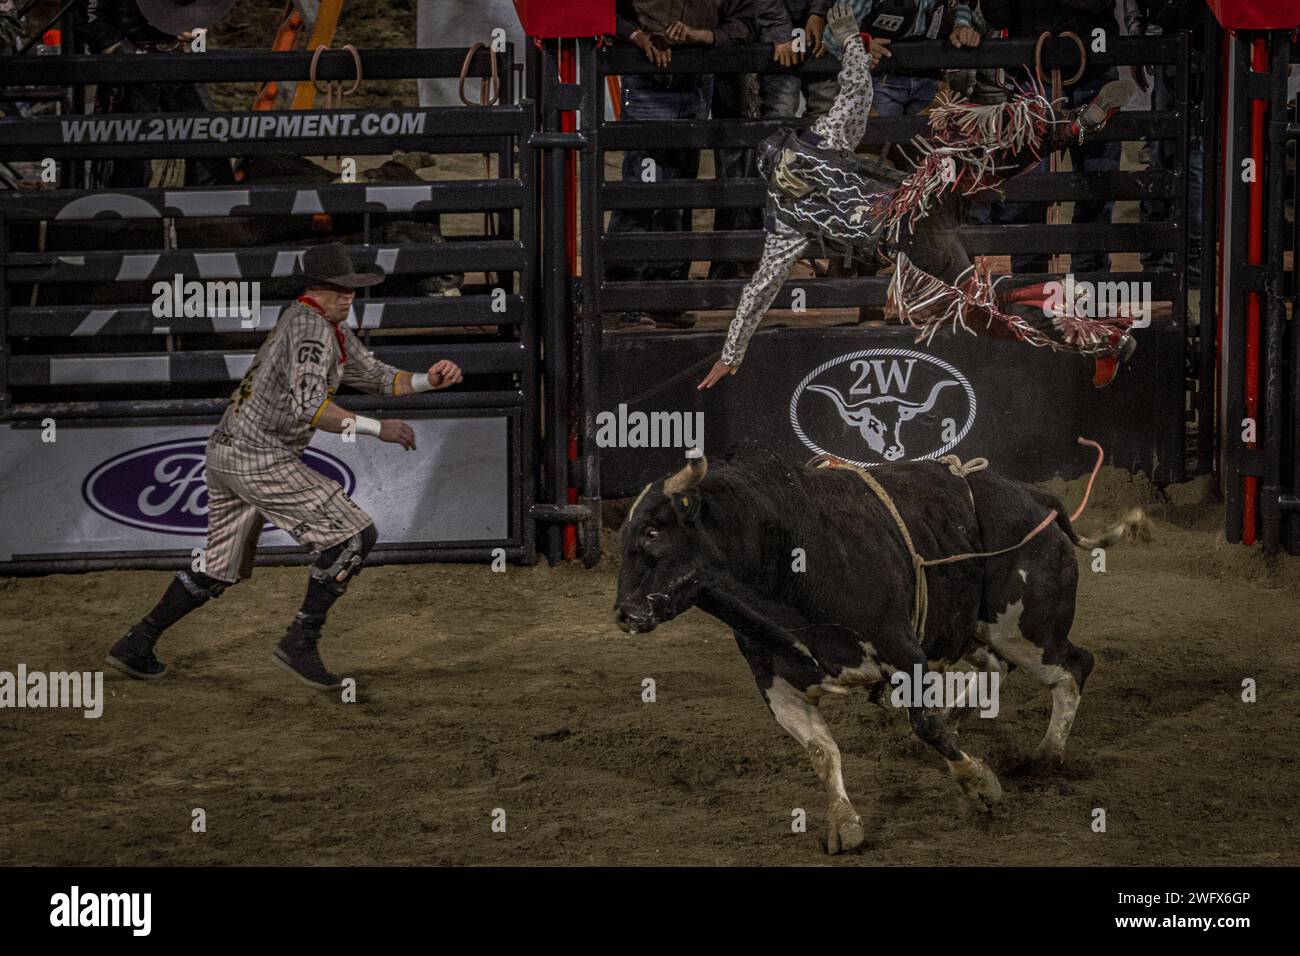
(1091, 117)
(1123, 345)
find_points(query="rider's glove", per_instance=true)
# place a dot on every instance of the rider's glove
(843, 24)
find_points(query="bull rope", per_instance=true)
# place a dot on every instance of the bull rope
(921, 592)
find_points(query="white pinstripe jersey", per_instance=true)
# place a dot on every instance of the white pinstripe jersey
(273, 412)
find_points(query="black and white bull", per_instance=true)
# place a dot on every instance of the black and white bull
(842, 618)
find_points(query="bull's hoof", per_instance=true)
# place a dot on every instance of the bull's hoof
(1048, 758)
(978, 782)
(845, 832)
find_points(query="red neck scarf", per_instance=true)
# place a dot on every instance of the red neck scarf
(336, 326)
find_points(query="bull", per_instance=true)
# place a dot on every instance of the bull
(841, 620)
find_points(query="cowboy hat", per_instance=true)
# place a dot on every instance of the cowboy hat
(332, 263)
(175, 17)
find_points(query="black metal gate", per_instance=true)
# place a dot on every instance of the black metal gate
(92, 363)
(540, 360)
(1032, 405)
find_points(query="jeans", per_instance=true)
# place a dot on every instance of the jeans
(1163, 156)
(903, 95)
(1088, 157)
(782, 91)
(661, 97)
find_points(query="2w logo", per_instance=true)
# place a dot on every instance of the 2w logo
(883, 405)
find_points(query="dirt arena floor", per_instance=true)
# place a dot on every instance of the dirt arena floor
(482, 690)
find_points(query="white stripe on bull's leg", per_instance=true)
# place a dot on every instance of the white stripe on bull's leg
(1065, 704)
(1008, 640)
(798, 714)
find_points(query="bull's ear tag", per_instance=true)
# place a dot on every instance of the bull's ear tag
(687, 505)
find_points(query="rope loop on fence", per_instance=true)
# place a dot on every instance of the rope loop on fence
(489, 92)
(333, 88)
(1056, 73)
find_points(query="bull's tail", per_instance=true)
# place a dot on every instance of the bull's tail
(1134, 527)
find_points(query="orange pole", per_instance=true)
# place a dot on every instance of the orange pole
(327, 20)
(286, 37)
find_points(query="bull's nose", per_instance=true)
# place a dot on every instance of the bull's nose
(631, 623)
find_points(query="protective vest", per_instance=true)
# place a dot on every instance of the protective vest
(825, 194)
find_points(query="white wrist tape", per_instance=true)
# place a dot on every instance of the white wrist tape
(367, 426)
(420, 382)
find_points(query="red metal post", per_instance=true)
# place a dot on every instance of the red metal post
(568, 123)
(1254, 255)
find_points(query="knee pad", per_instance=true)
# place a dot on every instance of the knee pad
(336, 566)
(200, 585)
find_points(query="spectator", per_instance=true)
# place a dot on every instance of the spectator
(137, 26)
(738, 96)
(11, 28)
(1029, 19)
(1152, 18)
(779, 96)
(902, 91)
(781, 92)
(655, 27)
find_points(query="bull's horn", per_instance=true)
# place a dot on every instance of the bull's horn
(909, 410)
(690, 476)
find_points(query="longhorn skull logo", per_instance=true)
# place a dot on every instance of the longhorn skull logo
(880, 419)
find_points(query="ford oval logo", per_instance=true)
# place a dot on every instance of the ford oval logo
(161, 487)
(883, 405)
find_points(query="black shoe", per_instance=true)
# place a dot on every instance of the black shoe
(133, 656)
(297, 654)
